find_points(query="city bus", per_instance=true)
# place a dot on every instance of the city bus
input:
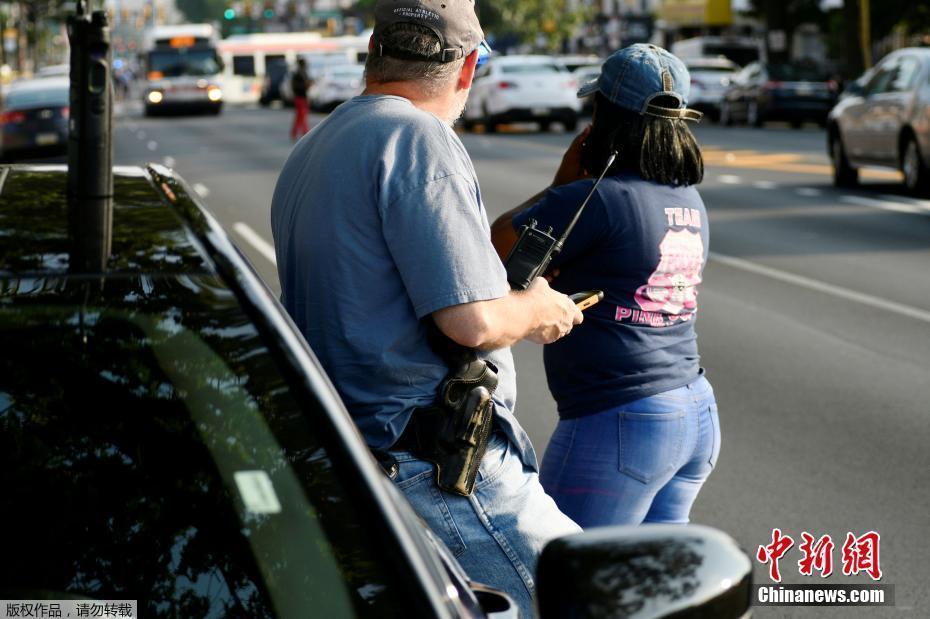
(182, 69)
(248, 58)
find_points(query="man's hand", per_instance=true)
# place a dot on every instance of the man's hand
(571, 169)
(556, 313)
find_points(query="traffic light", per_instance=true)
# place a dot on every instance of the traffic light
(229, 14)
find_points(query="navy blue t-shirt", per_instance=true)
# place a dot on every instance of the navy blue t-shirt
(645, 245)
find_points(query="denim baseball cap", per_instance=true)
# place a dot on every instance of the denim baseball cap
(455, 22)
(633, 77)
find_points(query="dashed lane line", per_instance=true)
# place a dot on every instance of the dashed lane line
(885, 205)
(823, 287)
(252, 238)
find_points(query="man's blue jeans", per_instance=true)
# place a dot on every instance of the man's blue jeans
(499, 531)
(644, 461)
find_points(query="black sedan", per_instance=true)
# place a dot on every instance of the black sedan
(34, 118)
(167, 437)
(793, 92)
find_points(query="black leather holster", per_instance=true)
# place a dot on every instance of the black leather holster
(453, 435)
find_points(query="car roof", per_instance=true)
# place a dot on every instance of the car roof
(149, 236)
(697, 62)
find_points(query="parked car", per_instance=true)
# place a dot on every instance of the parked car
(710, 77)
(583, 75)
(336, 84)
(794, 92)
(883, 119)
(275, 73)
(522, 88)
(34, 118)
(167, 436)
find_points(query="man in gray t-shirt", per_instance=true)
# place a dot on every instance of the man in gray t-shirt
(379, 227)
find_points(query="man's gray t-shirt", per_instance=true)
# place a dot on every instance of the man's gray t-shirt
(378, 222)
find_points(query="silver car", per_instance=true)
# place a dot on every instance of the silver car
(883, 119)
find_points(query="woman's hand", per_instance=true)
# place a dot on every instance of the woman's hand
(571, 169)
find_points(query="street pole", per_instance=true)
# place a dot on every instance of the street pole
(865, 33)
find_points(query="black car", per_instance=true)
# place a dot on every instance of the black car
(34, 118)
(795, 92)
(167, 436)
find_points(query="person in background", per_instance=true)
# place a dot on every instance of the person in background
(638, 430)
(300, 84)
(383, 247)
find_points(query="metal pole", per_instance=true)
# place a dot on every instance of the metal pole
(865, 33)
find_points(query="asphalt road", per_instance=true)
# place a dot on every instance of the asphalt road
(814, 325)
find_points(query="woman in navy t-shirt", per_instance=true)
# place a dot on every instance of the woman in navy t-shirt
(638, 432)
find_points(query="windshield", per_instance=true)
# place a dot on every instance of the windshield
(797, 73)
(37, 98)
(150, 450)
(530, 68)
(184, 61)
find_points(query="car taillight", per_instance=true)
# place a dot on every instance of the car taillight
(771, 85)
(832, 85)
(12, 118)
(65, 112)
(505, 85)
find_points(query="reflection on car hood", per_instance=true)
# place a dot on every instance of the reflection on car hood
(148, 236)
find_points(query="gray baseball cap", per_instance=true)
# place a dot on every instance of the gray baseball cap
(455, 22)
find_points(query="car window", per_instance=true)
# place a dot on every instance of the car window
(905, 76)
(530, 68)
(244, 65)
(150, 449)
(882, 78)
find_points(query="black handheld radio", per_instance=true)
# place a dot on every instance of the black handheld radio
(534, 249)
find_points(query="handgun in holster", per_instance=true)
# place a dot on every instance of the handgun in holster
(454, 433)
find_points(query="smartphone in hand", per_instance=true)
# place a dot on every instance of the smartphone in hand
(586, 299)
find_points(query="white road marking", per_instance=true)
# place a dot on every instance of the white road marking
(729, 179)
(885, 205)
(921, 204)
(808, 192)
(169, 162)
(764, 185)
(252, 238)
(202, 190)
(152, 145)
(819, 286)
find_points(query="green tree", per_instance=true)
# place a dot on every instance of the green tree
(202, 10)
(534, 21)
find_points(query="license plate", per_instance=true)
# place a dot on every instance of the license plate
(804, 90)
(539, 111)
(46, 139)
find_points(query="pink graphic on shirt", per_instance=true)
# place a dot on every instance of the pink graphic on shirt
(672, 287)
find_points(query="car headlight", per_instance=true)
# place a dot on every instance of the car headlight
(214, 93)
(155, 96)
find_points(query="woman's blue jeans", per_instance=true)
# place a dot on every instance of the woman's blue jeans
(644, 461)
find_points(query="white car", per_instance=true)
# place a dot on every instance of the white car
(335, 85)
(522, 88)
(583, 75)
(710, 76)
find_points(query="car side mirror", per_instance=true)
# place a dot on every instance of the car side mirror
(645, 571)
